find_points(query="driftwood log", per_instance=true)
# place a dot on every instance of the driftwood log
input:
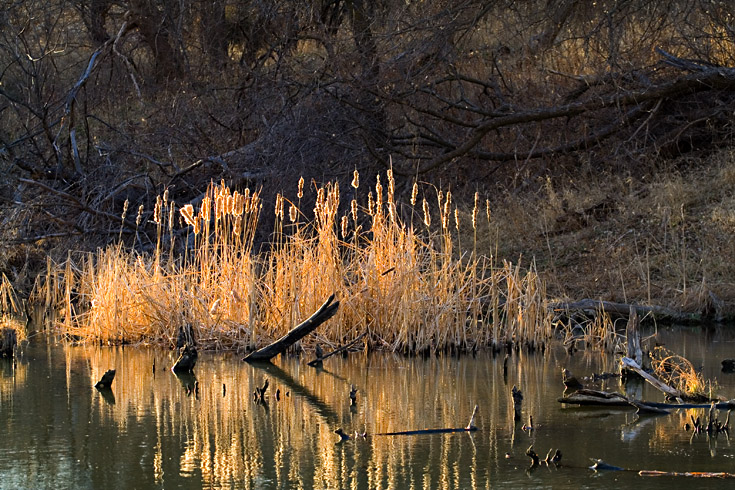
(589, 397)
(660, 314)
(324, 313)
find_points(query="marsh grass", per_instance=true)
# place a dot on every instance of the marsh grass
(408, 285)
(11, 310)
(678, 372)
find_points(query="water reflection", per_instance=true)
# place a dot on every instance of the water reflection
(154, 428)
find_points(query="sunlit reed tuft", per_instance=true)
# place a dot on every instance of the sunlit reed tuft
(403, 285)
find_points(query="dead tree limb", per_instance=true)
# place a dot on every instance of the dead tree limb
(469, 428)
(666, 389)
(324, 313)
(589, 397)
(660, 314)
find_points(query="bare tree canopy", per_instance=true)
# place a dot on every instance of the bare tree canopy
(106, 102)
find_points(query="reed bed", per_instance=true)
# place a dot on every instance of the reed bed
(408, 285)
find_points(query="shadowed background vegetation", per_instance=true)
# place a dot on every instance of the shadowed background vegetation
(599, 134)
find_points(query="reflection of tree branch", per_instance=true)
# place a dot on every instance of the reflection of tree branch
(323, 409)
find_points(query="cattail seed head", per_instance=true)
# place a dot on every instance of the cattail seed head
(355, 179)
(344, 226)
(140, 215)
(292, 213)
(187, 212)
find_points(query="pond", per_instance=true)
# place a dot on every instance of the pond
(157, 430)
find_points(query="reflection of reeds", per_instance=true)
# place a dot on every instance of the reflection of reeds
(407, 286)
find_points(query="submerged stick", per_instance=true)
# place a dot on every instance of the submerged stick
(321, 356)
(693, 474)
(469, 428)
(324, 313)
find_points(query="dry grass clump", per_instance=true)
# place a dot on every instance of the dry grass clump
(679, 373)
(405, 284)
(11, 311)
(597, 333)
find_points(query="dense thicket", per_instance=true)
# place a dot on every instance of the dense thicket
(105, 102)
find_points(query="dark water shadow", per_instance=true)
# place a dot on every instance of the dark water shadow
(322, 408)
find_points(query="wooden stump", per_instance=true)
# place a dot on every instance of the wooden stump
(187, 360)
(8, 341)
(517, 401)
(105, 383)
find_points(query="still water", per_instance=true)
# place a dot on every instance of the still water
(157, 430)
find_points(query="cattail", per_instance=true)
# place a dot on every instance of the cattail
(205, 210)
(292, 213)
(353, 209)
(355, 179)
(456, 218)
(213, 309)
(414, 193)
(371, 204)
(378, 193)
(238, 203)
(219, 206)
(171, 213)
(246, 201)
(279, 206)
(474, 211)
(487, 209)
(391, 185)
(188, 214)
(125, 209)
(157, 211)
(344, 226)
(165, 196)
(447, 210)
(301, 188)
(427, 215)
(140, 215)
(197, 225)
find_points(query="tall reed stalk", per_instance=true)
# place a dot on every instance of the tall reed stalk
(405, 285)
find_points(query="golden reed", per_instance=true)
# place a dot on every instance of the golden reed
(414, 290)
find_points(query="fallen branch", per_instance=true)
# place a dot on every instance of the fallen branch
(660, 314)
(469, 428)
(324, 313)
(666, 389)
(603, 398)
(693, 474)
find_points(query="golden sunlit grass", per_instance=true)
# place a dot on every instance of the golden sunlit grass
(679, 373)
(407, 285)
(11, 310)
